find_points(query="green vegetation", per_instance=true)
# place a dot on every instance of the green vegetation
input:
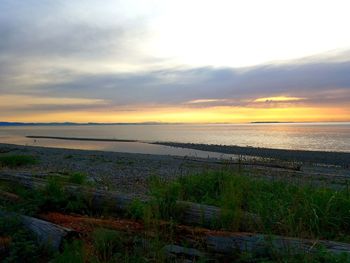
(52, 197)
(78, 178)
(23, 246)
(282, 208)
(69, 156)
(163, 199)
(278, 207)
(14, 161)
(107, 244)
(73, 252)
(136, 209)
(110, 246)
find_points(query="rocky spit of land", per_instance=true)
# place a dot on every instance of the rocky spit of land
(320, 157)
(130, 173)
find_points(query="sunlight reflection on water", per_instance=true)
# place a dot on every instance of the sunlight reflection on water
(315, 136)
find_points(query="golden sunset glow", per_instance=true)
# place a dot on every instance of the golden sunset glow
(114, 113)
(136, 61)
(190, 115)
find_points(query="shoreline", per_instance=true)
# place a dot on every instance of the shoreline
(130, 172)
(318, 157)
(123, 172)
(80, 139)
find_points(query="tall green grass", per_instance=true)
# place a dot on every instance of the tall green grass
(282, 208)
(23, 246)
(13, 161)
(51, 197)
(77, 178)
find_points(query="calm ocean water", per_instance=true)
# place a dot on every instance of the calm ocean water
(303, 136)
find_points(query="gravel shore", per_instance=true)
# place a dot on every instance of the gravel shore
(130, 172)
(126, 172)
(321, 157)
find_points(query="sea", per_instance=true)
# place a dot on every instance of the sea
(297, 136)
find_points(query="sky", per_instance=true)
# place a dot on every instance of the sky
(222, 61)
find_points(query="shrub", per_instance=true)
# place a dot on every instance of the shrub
(72, 253)
(107, 244)
(77, 178)
(13, 161)
(136, 209)
(283, 208)
(163, 198)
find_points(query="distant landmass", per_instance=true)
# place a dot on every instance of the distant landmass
(78, 124)
(257, 122)
(123, 123)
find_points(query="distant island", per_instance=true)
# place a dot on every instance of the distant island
(135, 123)
(267, 122)
(78, 124)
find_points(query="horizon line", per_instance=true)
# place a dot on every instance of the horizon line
(15, 123)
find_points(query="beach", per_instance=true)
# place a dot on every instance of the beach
(130, 172)
(182, 206)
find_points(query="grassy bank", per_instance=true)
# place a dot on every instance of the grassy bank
(280, 208)
(283, 208)
(13, 161)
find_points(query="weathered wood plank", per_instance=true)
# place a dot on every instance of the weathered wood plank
(47, 234)
(217, 243)
(191, 213)
(258, 243)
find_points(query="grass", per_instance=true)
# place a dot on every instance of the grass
(14, 161)
(73, 252)
(78, 178)
(52, 197)
(23, 246)
(283, 208)
(110, 246)
(107, 243)
(163, 199)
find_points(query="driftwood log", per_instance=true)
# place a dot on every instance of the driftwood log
(176, 251)
(250, 162)
(4, 244)
(10, 197)
(214, 243)
(46, 233)
(258, 243)
(225, 243)
(234, 243)
(190, 213)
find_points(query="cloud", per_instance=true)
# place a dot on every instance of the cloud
(279, 99)
(59, 40)
(47, 104)
(204, 101)
(54, 50)
(320, 82)
(46, 40)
